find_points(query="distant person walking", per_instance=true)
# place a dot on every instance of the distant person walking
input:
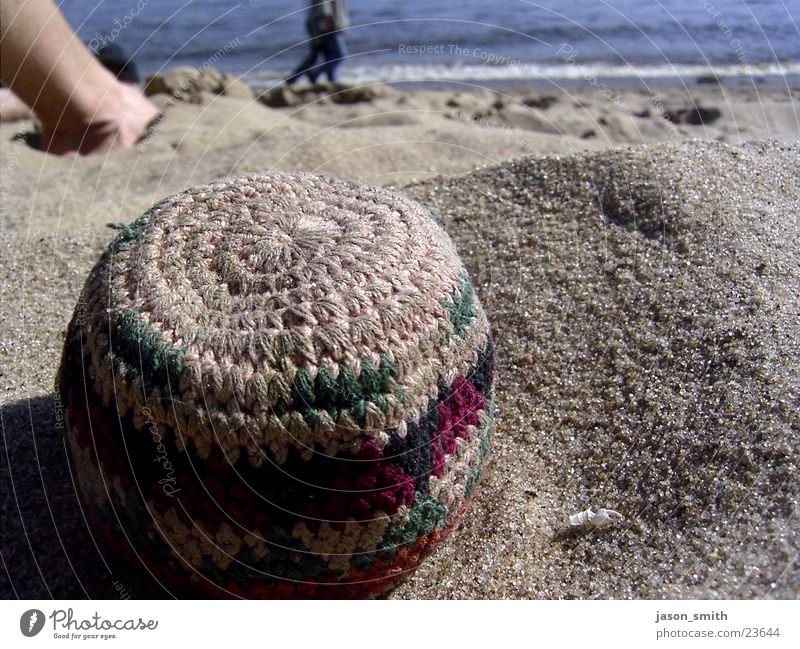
(325, 22)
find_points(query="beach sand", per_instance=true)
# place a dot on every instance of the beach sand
(644, 300)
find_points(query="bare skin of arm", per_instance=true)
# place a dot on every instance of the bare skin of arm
(82, 106)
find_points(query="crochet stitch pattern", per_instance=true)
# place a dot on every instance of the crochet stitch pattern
(278, 385)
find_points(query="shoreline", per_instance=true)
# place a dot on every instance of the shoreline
(534, 75)
(542, 83)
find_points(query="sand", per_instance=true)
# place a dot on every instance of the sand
(644, 298)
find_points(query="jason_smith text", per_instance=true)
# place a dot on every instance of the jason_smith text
(690, 617)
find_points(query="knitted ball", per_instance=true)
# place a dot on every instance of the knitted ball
(278, 385)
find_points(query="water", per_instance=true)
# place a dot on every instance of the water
(469, 39)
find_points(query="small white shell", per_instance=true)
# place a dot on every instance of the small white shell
(591, 520)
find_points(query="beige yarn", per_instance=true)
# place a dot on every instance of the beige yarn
(257, 277)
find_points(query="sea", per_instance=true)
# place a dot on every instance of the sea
(435, 42)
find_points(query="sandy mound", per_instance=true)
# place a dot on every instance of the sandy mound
(646, 308)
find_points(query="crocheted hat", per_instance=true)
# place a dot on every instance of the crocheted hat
(278, 385)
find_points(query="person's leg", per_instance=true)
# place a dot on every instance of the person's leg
(335, 50)
(83, 108)
(307, 65)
